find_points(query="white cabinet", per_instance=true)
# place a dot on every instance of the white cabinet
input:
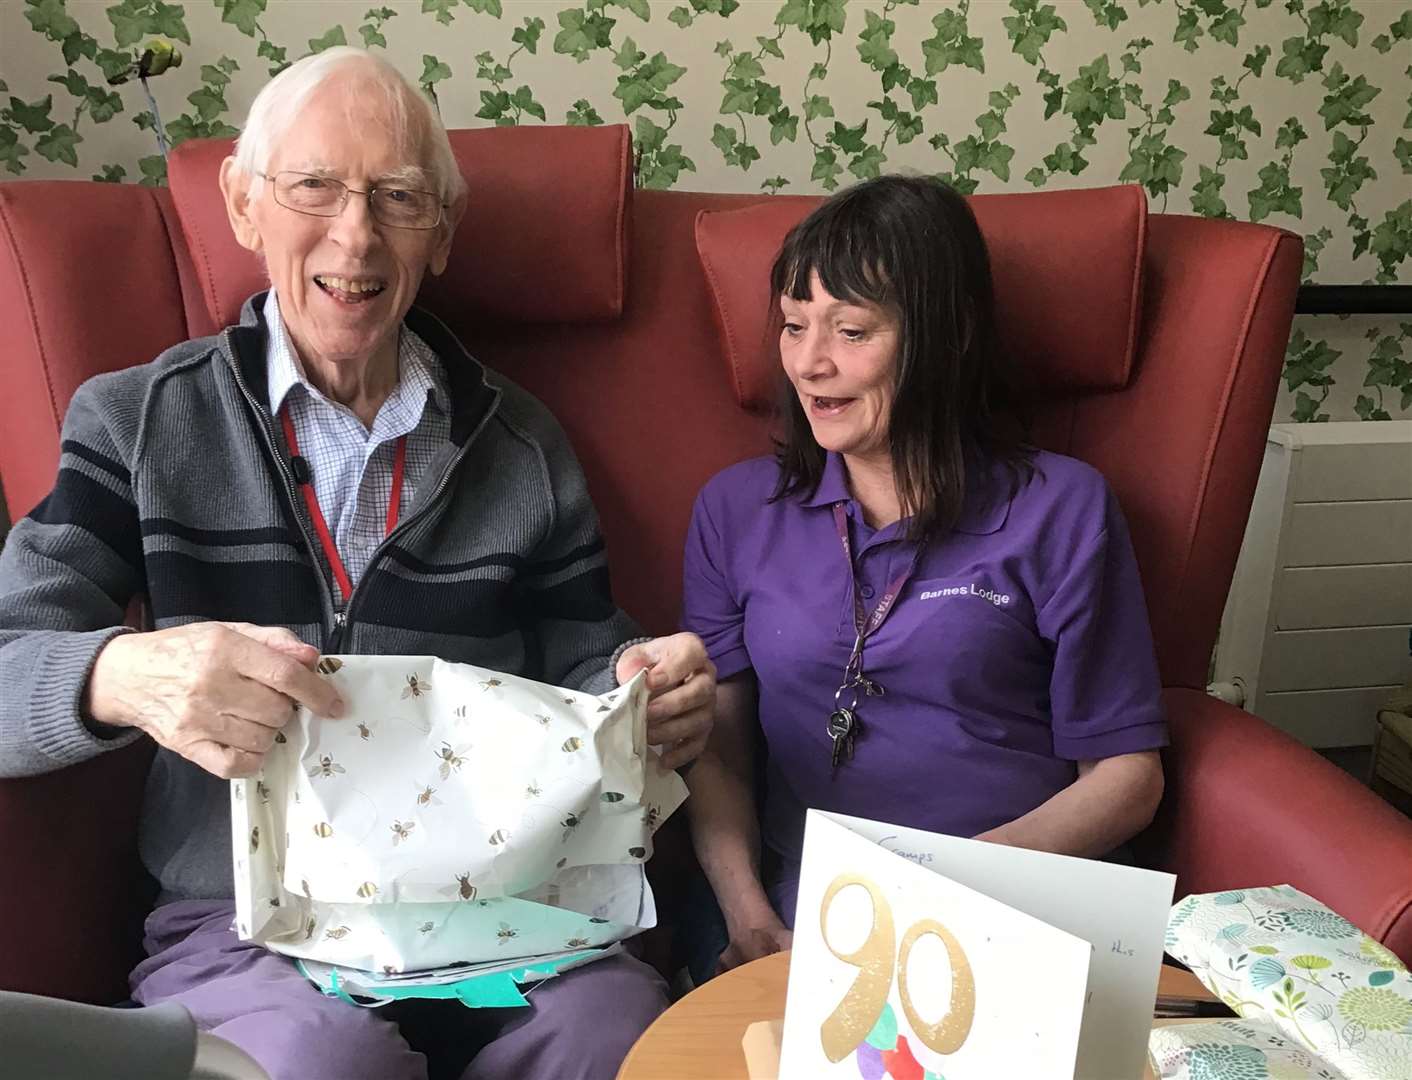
(1318, 628)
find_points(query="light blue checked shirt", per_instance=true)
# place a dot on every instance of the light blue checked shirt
(352, 466)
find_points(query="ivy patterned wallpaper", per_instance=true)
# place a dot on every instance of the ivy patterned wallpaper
(1286, 111)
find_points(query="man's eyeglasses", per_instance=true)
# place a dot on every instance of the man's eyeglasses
(322, 196)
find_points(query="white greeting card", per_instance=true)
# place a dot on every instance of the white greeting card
(917, 954)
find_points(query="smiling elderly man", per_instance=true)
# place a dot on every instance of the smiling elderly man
(335, 471)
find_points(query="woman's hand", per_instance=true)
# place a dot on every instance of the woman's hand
(752, 942)
(683, 684)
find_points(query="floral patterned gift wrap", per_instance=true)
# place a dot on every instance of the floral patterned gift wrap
(454, 815)
(1317, 996)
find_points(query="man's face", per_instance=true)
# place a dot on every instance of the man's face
(344, 283)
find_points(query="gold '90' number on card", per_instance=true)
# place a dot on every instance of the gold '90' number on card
(854, 1017)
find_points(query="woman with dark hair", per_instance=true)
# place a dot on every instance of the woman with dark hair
(917, 618)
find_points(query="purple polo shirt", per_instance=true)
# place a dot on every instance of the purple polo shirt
(1019, 647)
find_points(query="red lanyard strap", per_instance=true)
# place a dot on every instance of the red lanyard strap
(394, 502)
(867, 624)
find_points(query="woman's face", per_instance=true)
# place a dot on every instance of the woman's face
(841, 358)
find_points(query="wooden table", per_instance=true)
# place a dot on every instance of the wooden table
(698, 1038)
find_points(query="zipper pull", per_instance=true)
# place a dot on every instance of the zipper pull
(340, 621)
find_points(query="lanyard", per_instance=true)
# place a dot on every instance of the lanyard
(844, 722)
(864, 623)
(394, 502)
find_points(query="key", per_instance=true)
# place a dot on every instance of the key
(840, 730)
(871, 688)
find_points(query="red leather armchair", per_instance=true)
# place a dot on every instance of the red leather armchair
(1154, 345)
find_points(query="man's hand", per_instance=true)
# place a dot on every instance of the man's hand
(216, 693)
(683, 684)
(751, 943)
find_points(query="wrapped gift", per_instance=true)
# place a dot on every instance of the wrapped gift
(1309, 984)
(453, 815)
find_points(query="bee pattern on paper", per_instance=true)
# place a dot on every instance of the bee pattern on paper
(262, 790)
(650, 816)
(304, 884)
(451, 760)
(597, 921)
(402, 830)
(338, 933)
(323, 830)
(239, 790)
(364, 731)
(367, 890)
(274, 901)
(309, 928)
(570, 823)
(326, 767)
(489, 684)
(499, 837)
(459, 712)
(570, 701)
(426, 928)
(572, 743)
(464, 888)
(280, 738)
(505, 933)
(415, 687)
(427, 797)
(576, 943)
(544, 721)
(612, 796)
(255, 839)
(533, 790)
(604, 708)
(638, 852)
(327, 665)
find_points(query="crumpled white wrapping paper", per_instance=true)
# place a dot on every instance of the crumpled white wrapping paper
(454, 815)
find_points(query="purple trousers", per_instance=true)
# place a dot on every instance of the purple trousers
(578, 1026)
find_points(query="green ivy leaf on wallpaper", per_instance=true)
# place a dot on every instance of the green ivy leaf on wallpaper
(485, 7)
(1107, 13)
(135, 19)
(333, 37)
(1344, 104)
(1336, 17)
(11, 150)
(371, 31)
(581, 32)
(1030, 30)
(659, 163)
(49, 18)
(433, 71)
(1347, 174)
(826, 168)
(583, 114)
(154, 170)
(57, 144)
(244, 15)
(528, 34)
(110, 174)
(952, 44)
(443, 10)
(820, 19)
(1392, 242)
(33, 116)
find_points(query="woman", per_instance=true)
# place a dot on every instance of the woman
(929, 623)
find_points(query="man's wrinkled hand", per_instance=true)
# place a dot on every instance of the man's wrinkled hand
(215, 693)
(754, 942)
(682, 681)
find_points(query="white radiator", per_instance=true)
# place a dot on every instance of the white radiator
(1318, 627)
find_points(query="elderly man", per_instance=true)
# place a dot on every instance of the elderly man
(333, 474)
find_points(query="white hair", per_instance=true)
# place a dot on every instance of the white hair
(277, 106)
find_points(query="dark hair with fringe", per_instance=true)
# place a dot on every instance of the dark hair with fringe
(912, 245)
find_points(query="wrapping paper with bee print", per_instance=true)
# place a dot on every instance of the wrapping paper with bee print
(453, 815)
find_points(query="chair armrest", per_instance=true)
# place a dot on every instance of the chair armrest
(75, 894)
(1246, 805)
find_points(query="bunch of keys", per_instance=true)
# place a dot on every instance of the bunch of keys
(844, 725)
